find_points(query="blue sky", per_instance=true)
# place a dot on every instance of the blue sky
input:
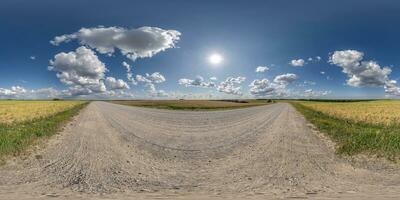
(357, 42)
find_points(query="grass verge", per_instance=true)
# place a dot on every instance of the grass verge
(355, 137)
(16, 137)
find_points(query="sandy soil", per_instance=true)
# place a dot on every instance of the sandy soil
(113, 151)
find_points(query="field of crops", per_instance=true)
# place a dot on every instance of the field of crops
(386, 112)
(19, 111)
(371, 127)
(22, 123)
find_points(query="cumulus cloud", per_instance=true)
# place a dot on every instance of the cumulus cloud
(133, 43)
(322, 72)
(116, 84)
(12, 92)
(391, 88)
(261, 69)
(32, 57)
(229, 86)
(213, 78)
(310, 93)
(364, 73)
(197, 82)
(285, 79)
(119, 94)
(18, 92)
(129, 74)
(297, 63)
(307, 83)
(45, 93)
(155, 77)
(264, 87)
(360, 73)
(150, 80)
(315, 59)
(81, 70)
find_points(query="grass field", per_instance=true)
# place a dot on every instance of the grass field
(371, 127)
(22, 122)
(193, 104)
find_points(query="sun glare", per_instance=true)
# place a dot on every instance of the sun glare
(215, 58)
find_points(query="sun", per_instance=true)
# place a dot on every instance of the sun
(215, 58)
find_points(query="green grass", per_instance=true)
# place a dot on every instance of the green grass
(355, 137)
(16, 137)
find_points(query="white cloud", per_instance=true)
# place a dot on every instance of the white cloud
(261, 69)
(133, 43)
(298, 63)
(314, 59)
(116, 84)
(285, 79)
(155, 77)
(307, 83)
(12, 92)
(18, 92)
(213, 78)
(229, 86)
(81, 70)
(264, 87)
(45, 93)
(310, 93)
(391, 88)
(116, 94)
(32, 57)
(322, 72)
(150, 80)
(360, 73)
(364, 73)
(347, 59)
(197, 82)
(129, 74)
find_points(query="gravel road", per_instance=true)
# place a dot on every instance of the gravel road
(113, 151)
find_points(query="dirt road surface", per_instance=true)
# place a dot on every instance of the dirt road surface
(113, 151)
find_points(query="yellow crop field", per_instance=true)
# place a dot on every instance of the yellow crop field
(18, 111)
(386, 112)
